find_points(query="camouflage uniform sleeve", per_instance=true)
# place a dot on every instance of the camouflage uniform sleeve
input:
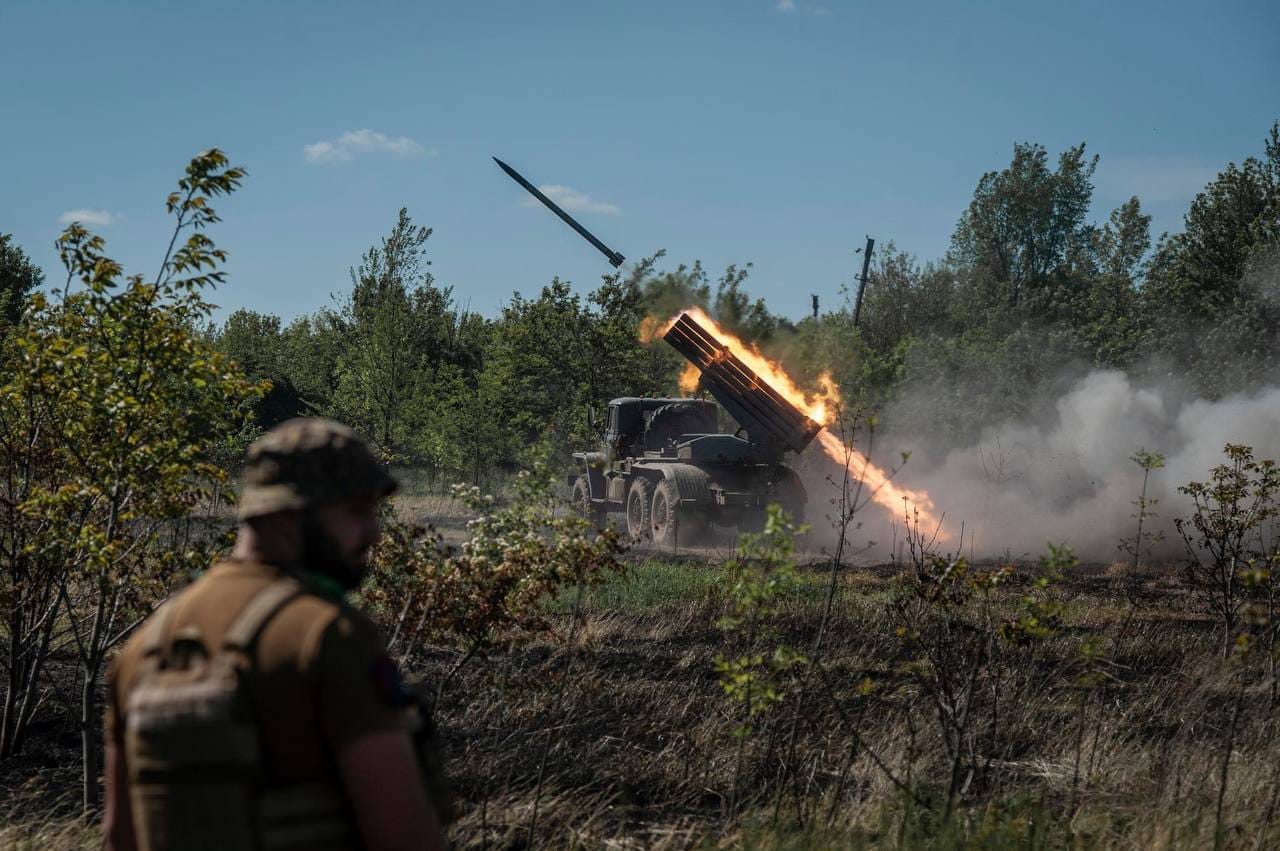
(121, 670)
(360, 689)
(114, 720)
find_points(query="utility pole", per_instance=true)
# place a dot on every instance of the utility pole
(862, 279)
(815, 307)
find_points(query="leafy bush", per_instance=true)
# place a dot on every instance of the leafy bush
(1224, 534)
(518, 558)
(111, 409)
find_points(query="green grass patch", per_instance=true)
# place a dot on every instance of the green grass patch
(656, 582)
(652, 583)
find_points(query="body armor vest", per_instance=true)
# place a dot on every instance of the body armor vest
(193, 750)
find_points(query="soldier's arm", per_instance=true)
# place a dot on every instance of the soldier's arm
(383, 784)
(363, 708)
(117, 813)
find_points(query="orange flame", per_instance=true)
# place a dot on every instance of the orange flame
(814, 405)
(820, 407)
(689, 378)
(882, 490)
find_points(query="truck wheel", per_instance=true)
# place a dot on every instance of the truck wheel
(585, 508)
(665, 516)
(672, 524)
(639, 500)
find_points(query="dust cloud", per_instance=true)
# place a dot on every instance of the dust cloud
(1069, 477)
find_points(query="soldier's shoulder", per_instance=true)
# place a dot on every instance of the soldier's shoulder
(311, 624)
(317, 607)
(122, 666)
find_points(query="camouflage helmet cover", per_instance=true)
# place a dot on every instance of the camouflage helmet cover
(309, 461)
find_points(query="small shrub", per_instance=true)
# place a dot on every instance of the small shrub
(1144, 540)
(1224, 534)
(517, 559)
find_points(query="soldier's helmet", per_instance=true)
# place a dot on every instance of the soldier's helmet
(307, 462)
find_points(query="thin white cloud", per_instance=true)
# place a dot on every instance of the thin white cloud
(573, 200)
(364, 141)
(85, 216)
(790, 6)
(1154, 179)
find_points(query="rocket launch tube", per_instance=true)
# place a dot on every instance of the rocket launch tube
(760, 409)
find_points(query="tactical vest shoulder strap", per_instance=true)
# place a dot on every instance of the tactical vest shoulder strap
(254, 616)
(158, 635)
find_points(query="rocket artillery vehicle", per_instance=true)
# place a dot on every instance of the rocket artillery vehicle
(665, 463)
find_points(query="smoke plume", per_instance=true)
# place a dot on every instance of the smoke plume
(1068, 477)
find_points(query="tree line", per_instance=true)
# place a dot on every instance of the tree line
(1030, 293)
(123, 408)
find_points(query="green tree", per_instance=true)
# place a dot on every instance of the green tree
(735, 310)
(255, 342)
(667, 292)
(541, 360)
(474, 437)
(1023, 222)
(628, 364)
(131, 402)
(19, 278)
(1201, 270)
(398, 327)
(310, 348)
(1223, 534)
(1210, 295)
(1112, 324)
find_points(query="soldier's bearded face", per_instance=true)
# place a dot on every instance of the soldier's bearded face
(337, 539)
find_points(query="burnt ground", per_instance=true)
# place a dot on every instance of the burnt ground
(626, 738)
(640, 746)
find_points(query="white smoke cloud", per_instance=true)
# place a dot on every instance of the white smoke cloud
(1067, 478)
(1071, 478)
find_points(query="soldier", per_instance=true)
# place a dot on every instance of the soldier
(257, 708)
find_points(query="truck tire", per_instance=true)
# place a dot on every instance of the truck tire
(585, 508)
(639, 502)
(675, 419)
(672, 524)
(664, 516)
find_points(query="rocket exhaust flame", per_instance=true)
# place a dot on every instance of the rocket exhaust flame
(768, 417)
(876, 482)
(821, 408)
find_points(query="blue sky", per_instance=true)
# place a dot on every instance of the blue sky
(754, 130)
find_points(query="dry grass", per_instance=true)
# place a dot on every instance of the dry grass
(640, 750)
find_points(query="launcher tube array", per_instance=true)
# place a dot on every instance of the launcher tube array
(761, 410)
